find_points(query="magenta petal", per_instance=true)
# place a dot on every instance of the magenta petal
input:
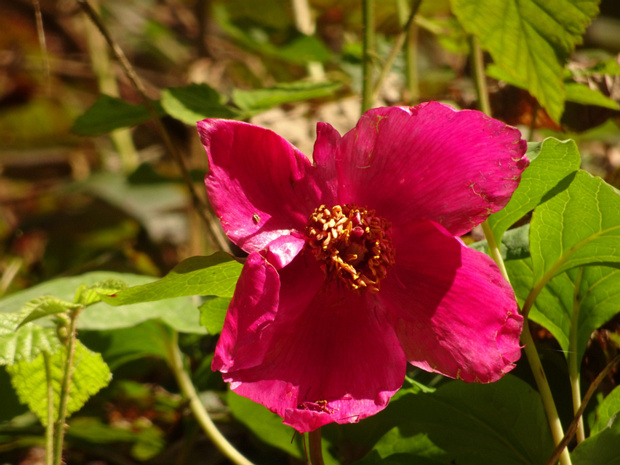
(429, 161)
(335, 358)
(453, 311)
(258, 183)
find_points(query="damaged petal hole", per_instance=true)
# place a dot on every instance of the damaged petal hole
(353, 245)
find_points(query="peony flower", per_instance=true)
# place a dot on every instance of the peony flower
(355, 266)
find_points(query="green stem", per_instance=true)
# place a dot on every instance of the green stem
(314, 445)
(368, 20)
(187, 388)
(49, 428)
(479, 75)
(59, 432)
(411, 49)
(573, 363)
(532, 357)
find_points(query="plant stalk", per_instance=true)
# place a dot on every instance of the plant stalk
(573, 363)
(479, 76)
(368, 25)
(49, 428)
(59, 431)
(187, 388)
(314, 446)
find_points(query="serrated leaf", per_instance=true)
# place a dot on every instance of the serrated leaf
(607, 412)
(45, 306)
(598, 300)
(581, 93)
(194, 103)
(601, 449)
(213, 313)
(215, 275)
(579, 226)
(253, 101)
(502, 422)
(25, 343)
(90, 294)
(90, 374)
(548, 174)
(530, 39)
(179, 313)
(110, 113)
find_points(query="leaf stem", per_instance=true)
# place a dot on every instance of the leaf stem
(479, 75)
(314, 446)
(573, 363)
(532, 354)
(199, 204)
(187, 388)
(368, 25)
(59, 432)
(49, 428)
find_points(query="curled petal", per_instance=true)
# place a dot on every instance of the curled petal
(428, 161)
(453, 311)
(258, 183)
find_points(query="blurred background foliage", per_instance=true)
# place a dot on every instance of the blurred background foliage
(87, 182)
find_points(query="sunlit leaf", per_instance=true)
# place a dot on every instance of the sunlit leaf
(90, 375)
(213, 313)
(215, 275)
(179, 313)
(581, 93)
(90, 294)
(194, 103)
(530, 39)
(25, 343)
(579, 226)
(45, 306)
(110, 113)
(598, 300)
(548, 174)
(253, 101)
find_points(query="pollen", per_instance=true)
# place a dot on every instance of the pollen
(353, 245)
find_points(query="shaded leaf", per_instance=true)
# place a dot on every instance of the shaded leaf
(607, 412)
(530, 40)
(601, 449)
(194, 103)
(90, 374)
(548, 174)
(515, 244)
(110, 113)
(216, 275)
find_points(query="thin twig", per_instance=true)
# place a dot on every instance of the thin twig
(314, 444)
(43, 44)
(572, 428)
(199, 204)
(49, 428)
(368, 24)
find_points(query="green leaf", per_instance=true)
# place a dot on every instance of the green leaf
(213, 314)
(579, 226)
(548, 174)
(598, 300)
(45, 306)
(581, 93)
(417, 449)
(110, 113)
(253, 101)
(25, 343)
(90, 374)
(502, 422)
(530, 39)
(194, 103)
(91, 294)
(179, 313)
(215, 275)
(607, 412)
(601, 449)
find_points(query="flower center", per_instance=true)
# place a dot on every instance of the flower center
(353, 245)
